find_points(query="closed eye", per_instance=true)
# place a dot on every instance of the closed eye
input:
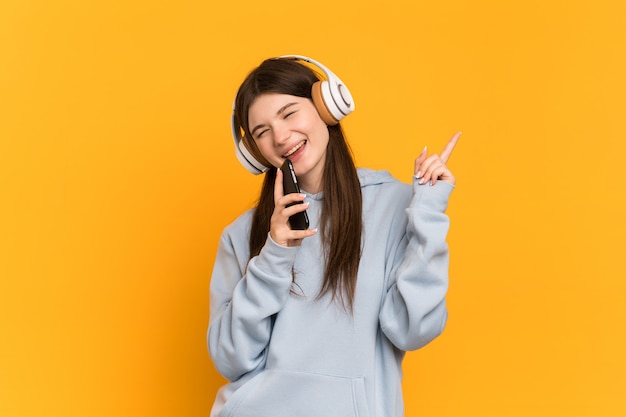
(282, 111)
(261, 133)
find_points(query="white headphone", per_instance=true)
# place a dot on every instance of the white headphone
(331, 98)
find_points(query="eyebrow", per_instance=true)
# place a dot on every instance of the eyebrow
(279, 112)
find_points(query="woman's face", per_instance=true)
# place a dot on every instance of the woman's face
(285, 126)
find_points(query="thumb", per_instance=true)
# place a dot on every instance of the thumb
(420, 160)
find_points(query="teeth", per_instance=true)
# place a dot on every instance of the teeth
(295, 148)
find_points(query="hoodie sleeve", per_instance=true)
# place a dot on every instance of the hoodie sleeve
(414, 311)
(243, 303)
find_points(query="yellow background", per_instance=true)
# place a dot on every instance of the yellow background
(117, 175)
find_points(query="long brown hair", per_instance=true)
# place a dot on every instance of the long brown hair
(341, 218)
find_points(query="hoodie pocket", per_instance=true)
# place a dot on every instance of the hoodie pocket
(278, 393)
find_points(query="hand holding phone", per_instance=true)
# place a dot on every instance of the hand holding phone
(299, 221)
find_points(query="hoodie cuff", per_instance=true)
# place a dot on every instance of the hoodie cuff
(434, 197)
(277, 259)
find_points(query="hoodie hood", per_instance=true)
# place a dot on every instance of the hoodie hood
(371, 177)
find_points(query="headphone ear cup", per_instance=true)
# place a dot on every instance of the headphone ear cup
(243, 154)
(320, 101)
(248, 161)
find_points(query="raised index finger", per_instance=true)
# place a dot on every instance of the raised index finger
(447, 151)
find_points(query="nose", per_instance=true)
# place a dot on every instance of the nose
(282, 132)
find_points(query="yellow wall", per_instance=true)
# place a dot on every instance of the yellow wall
(117, 176)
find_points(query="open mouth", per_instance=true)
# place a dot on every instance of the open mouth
(294, 149)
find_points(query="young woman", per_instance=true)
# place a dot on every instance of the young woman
(315, 323)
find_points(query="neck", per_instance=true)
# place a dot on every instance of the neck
(311, 183)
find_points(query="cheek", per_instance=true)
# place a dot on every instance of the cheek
(320, 128)
(324, 135)
(264, 149)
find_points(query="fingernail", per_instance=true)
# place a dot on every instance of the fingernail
(418, 175)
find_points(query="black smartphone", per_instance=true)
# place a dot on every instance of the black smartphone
(299, 221)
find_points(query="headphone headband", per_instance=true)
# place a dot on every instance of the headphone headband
(332, 100)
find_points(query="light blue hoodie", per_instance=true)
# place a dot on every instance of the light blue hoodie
(287, 353)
